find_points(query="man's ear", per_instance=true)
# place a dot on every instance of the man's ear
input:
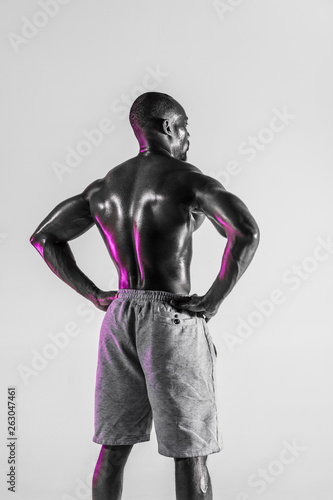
(167, 127)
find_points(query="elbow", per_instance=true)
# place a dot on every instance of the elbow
(250, 235)
(254, 239)
(255, 235)
(32, 239)
(38, 241)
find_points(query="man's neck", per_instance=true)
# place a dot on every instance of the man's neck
(147, 148)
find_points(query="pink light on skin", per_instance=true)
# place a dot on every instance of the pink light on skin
(39, 247)
(224, 264)
(141, 138)
(114, 253)
(98, 469)
(220, 221)
(137, 245)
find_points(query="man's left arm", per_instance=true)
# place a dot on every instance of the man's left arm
(67, 221)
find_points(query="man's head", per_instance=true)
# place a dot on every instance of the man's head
(158, 120)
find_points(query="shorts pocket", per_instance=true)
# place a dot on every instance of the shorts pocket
(165, 313)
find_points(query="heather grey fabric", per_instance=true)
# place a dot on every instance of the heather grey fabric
(156, 361)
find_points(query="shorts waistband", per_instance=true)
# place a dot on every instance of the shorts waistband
(147, 295)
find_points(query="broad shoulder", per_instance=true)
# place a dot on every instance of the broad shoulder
(95, 186)
(199, 181)
(189, 175)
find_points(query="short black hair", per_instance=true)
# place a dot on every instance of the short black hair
(149, 108)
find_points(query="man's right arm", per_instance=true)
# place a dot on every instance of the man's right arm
(232, 219)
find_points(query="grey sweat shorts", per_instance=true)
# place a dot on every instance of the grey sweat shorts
(156, 362)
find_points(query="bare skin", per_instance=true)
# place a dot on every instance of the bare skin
(146, 210)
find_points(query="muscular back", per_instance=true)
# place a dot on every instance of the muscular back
(145, 211)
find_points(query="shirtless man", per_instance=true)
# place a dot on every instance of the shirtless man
(156, 356)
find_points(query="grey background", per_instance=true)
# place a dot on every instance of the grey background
(233, 65)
